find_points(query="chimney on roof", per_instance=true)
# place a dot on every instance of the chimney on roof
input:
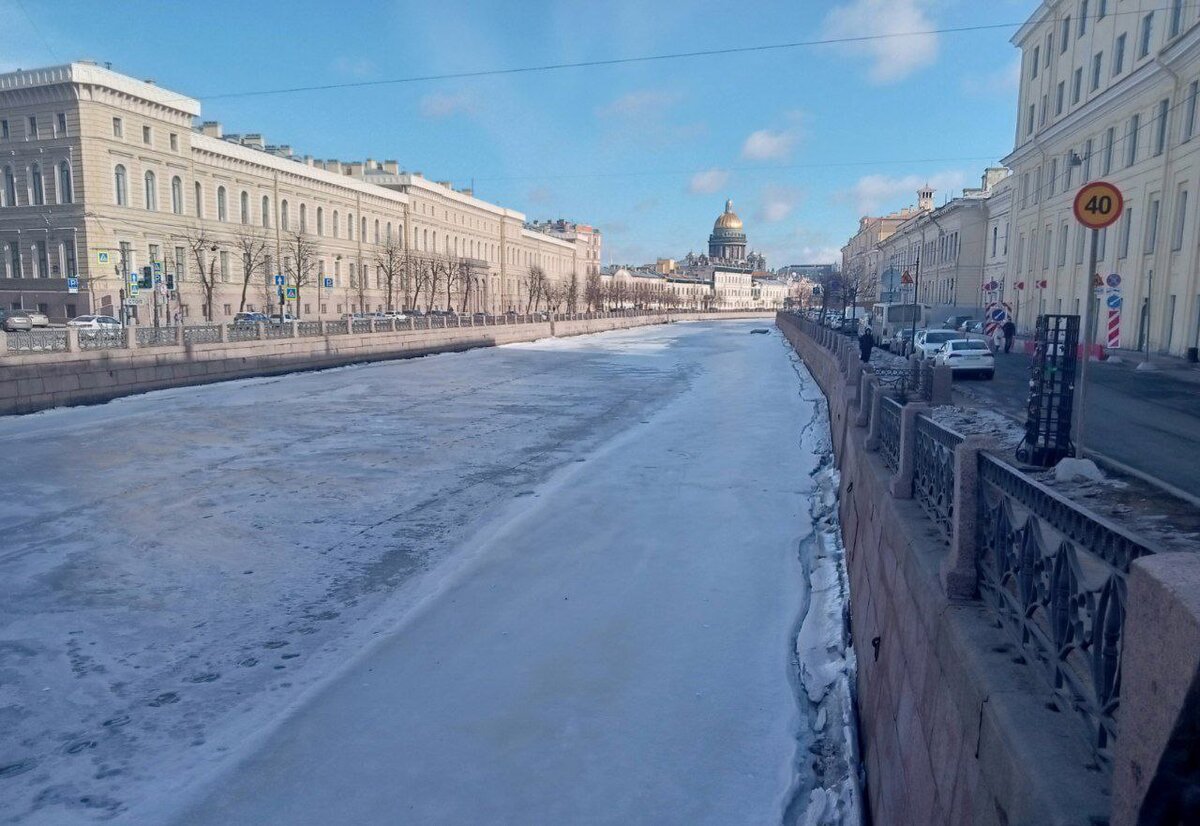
(355, 169)
(254, 140)
(370, 164)
(211, 128)
(392, 167)
(308, 160)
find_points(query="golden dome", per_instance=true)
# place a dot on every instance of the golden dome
(728, 219)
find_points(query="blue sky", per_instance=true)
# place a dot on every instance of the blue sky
(804, 140)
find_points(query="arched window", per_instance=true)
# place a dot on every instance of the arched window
(222, 205)
(66, 192)
(389, 231)
(199, 200)
(177, 195)
(320, 220)
(37, 185)
(350, 225)
(10, 187)
(303, 218)
(244, 207)
(335, 223)
(284, 220)
(121, 185)
(151, 191)
(266, 211)
(376, 230)
(363, 234)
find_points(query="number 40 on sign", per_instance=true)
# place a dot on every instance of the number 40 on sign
(1098, 205)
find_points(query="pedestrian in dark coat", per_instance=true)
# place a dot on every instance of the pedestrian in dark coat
(1010, 330)
(865, 343)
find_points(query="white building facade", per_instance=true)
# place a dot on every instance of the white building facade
(1109, 90)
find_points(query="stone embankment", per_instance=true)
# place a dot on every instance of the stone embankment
(1021, 659)
(51, 368)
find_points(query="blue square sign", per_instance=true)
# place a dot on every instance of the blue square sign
(329, 283)
(279, 280)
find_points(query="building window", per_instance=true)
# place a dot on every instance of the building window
(1052, 179)
(174, 142)
(266, 211)
(66, 192)
(1033, 69)
(376, 230)
(1046, 249)
(1109, 136)
(4, 129)
(1065, 40)
(37, 185)
(1147, 33)
(180, 264)
(1079, 236)
(61, 125)
(1059, 97)
(1132, 140)
(151, 192)
(1068, 170)
(225, 269)
(1076, 85)
(1160, 130)
(1087, 161)
(303, 218)
(350, 226)
(320, 220)
(1119, 56)
(1181, 199)
(1083, 17)
(1151, 228)
(222, 205)
(1029, 121)
(118, 128)
(1102, 9)
(1097, 64)
(284, 218)
(121, 185)
(244, 207)
(1126, 230)
(146, 137)
(1176, 18)
(33, 128)
(1062, 245)
(335, 223)
(199, 195)
(1189, 121)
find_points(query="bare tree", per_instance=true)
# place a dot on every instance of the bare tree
(203, 250)
(593, 292)
(254, 250)
(299, 264)
(571, 295)
(536, 280)
(360, 286)
(390, 259)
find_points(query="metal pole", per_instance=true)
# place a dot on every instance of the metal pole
(1089, 334)
(916, 285)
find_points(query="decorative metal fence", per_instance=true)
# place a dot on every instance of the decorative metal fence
(38, 341)
(242, 332)
(889, 432)
(933, 472)
(152, 337)
(284, 330)
(102, 339)
(201, 334)
(360, 325)
(1054, 575)
(308, 328)
(333, 328)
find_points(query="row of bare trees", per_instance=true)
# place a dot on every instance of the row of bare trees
(619, 294)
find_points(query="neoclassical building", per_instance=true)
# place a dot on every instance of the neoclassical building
(102, 174)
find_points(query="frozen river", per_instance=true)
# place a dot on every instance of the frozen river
(557, 582)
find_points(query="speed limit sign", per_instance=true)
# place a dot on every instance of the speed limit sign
(1098, 204)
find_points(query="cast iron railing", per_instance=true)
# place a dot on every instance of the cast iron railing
(278, 330)
(37, 341)
(201, 334)
(336, 327)
(933, 472)
(102, 339)
(1054, 575)
(889, 432)
(241, 332)
(308, 328)
(155, 336)
(360, 325)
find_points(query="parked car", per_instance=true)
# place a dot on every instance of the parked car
(13, 320)
(974, 327)
(930, 342)
(955, 322)
(95, 322)
(967, 355)
(286, 319)
(38, 318)
(251, 318)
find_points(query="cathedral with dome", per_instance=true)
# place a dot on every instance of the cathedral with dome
(726, 248)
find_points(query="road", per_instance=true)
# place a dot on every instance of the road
(1147, 420)
(554, 582)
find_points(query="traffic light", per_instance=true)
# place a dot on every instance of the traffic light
(147, 278)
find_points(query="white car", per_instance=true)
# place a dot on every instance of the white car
(95, 322)
(930, 342)
(967, 355)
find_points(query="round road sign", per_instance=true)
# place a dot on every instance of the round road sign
(1114, 302)
(1098, 204)
(1114, 280)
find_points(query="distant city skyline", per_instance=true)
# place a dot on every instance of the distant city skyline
(804, 140)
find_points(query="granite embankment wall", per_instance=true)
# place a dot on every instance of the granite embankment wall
(1020, 660)
(31, 381)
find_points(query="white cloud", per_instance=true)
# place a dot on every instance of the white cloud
(819, 255)
(893, 58)
(1004, 82)
(777, 203)
(872, 194)
(448, 104)
(769, 145)
(638, 104)
(708, 182)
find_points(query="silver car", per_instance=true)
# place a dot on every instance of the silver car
(38, 318)
(13, 320)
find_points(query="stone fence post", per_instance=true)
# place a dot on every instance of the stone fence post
(901, 484)
(866, 395)
(72, 339)
(960, 579)
(130, 333)
(942, 385)
(878, 394)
